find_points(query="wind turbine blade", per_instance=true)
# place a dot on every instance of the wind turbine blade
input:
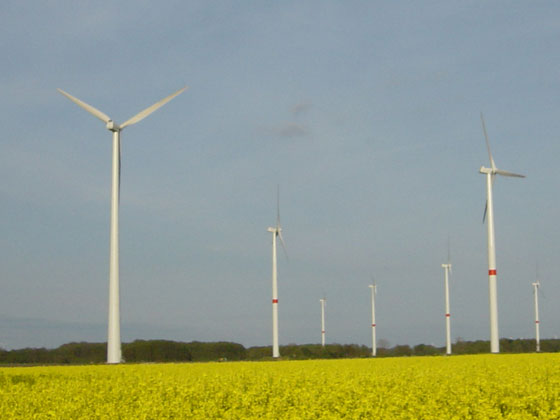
(94, 111)
(507, 173)
(277, 205)
(141, 115)
(120, 170)
(373, 285)
(487, 143)
(283, 244)
(492, 179)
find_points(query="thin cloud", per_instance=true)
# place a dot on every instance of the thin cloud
(287, 130)
(301, 108)
(293, 130)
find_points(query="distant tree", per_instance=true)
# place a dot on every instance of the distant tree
(156, 351)
(220, 350)
(550, 345)
(259, 352)
(73, 353)
(402, 350)
(426, 350)
(383, 344)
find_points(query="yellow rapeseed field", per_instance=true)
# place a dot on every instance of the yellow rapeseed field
(457, 387)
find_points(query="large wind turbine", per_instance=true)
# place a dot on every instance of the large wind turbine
(536, 286)
(447, 270)
(276, 233)
(373, 288)
(489, 215)
(323, 303)
(114, 335)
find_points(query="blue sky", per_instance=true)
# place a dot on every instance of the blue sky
(367, 114)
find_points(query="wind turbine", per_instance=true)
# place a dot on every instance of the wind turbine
(114, 335)
(489, 215)
(323, 304)
(373, 288)
(536, 286)
(447, 271)
(276, 233)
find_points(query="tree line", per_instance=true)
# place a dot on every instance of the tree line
(141, 351)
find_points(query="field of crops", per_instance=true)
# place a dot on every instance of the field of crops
(458, 387)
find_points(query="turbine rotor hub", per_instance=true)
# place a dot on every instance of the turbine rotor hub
(112, 126)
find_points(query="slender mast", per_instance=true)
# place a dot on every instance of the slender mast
(446, 268)
(114, 333)
(373, 288)
(537, 321)
(322, 321)
(275, 347)
(492, 273)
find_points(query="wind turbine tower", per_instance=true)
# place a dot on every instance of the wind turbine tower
(114, 335)
(447, 271)
(373, 288)
(323, 303)
(536, 286)
(276, 233)
(489, 215)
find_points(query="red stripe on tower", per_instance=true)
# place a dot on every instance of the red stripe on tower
(492, 272)
(537, 322)
(447, 315)
(373, 325)
(274, 300)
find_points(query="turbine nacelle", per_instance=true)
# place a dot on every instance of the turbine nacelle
(113, 126)
(496, 171)
(276, 230)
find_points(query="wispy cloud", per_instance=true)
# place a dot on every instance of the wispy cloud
(301, 108)
(291, 129)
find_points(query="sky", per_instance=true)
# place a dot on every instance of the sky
(366, 114)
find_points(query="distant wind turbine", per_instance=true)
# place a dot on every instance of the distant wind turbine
(276, 233)
(114, 335)
(447, 271)
(489, 215)
(323, 304)
(536, 286)
(373, 288)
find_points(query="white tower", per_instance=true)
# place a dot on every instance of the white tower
(114, 332)
(447, 270)
(536, 286)
(489, 215)
(323, 303)
(373, 288)
(276, 233)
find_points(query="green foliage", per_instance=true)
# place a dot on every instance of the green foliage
(141, 351)
(156, 351)
(221, 350)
